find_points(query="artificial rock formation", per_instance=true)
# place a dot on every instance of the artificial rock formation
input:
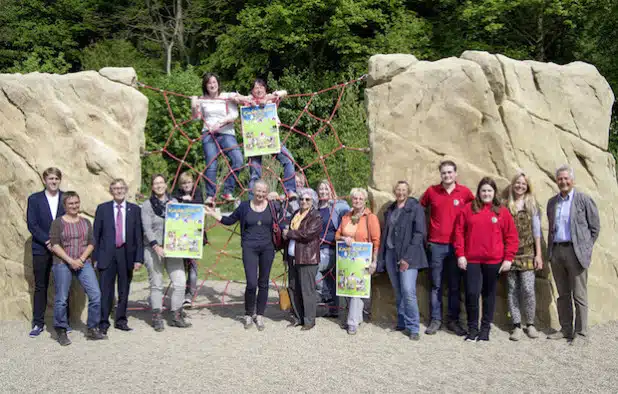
(88, 124)
(494, 116)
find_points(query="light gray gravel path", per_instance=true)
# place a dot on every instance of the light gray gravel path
(217, 354)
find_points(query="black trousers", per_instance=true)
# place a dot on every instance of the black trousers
(41, 266)
(118, 268)
(481, 279)
(302, 290)
(257, 262)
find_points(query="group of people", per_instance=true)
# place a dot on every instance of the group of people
(472, 238)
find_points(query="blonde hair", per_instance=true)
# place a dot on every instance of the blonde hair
(327, 183)
(185, 177)
(402, 183)
(530, 203)
(359, 190)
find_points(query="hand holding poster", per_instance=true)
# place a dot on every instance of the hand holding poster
(260, 131)
(184, 230)
(353, 278)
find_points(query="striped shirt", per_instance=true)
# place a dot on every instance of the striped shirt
(74, 238)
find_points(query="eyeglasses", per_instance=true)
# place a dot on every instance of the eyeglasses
(306, 199)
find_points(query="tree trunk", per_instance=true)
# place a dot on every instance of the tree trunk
(540, 41)
(168, 57)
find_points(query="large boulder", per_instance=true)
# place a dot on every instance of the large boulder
(495, 116)
(86, 124)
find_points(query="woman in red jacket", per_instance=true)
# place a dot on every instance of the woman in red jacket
(485, 244)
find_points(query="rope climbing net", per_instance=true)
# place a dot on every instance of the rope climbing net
(181, 127)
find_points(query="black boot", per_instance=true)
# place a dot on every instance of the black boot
(63, 339)
(157, 320)
(94, 334)
(178, 320)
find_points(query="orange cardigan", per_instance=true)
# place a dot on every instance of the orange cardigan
(367, 221)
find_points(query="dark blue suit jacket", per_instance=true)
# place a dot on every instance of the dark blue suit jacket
(39, 219)
(105, 235)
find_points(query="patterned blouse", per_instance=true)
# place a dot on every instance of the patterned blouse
(74, 238)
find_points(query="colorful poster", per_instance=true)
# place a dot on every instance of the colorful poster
(353, 279)
(260, 132)
(184, 230)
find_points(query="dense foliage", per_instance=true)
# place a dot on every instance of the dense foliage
(298, 46)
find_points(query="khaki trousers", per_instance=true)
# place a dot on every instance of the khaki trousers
(572, 284)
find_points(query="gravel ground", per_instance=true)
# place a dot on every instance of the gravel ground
(219, 355)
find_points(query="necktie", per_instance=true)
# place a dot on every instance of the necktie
(119, 242)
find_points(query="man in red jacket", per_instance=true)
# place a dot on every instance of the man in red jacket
(486, 242)
(443, 203)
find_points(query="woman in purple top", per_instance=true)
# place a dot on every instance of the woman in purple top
(72, 244)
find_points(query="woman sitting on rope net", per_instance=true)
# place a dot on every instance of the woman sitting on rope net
(218, 111)
(258, 97)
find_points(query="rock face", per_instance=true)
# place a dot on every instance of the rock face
(90, 127)
(494, 116)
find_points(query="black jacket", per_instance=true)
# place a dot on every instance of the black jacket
(408, 235)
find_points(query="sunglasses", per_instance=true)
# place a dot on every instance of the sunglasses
(306, 199)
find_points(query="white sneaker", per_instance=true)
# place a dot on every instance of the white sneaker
(259, 322)
(187, 303)
(532, 332)
(247, 321)
(516, 334)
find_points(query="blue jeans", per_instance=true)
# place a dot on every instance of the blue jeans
(404, 285)
(229, 146)
(439, 253)
(287, 162)
(443, 260)
(88, 279)
(325, 278)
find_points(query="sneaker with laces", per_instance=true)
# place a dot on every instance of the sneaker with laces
(351, 330)
(36, 331)
(516, 334)
(247, 322)
(187, 303)
(94, 334)
(471, 336)
(532, 332)
(259, 322)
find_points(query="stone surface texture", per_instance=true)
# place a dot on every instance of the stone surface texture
(493, 116)
(86, 124)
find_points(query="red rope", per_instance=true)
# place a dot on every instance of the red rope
(325, 124)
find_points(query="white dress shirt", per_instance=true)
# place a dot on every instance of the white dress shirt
(53, 203)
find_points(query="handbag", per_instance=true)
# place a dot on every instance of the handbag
(284, 296)
(277, 235)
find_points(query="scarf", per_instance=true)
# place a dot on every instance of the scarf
(297, 219)
(356, 218)
(158, 206)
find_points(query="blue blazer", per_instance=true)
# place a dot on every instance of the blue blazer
(39, 219)
(104, 234)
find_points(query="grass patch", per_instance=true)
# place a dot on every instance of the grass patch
(223, 256)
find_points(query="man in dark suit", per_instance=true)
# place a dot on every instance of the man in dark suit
(574, 227)
(43, 208)
(118, 251)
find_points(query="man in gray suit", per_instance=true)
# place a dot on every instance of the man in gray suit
(573, 229)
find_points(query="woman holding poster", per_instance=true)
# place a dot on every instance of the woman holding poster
(303, 257)
(259, 96)
(218, 110)
(359, 225)
(402, 254)
(258, 250)
(153, 223)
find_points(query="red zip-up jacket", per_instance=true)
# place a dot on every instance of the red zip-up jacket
(485, 237)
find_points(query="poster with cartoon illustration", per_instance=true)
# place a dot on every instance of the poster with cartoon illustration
(260, 132)
(352, 269)
(184, 230)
